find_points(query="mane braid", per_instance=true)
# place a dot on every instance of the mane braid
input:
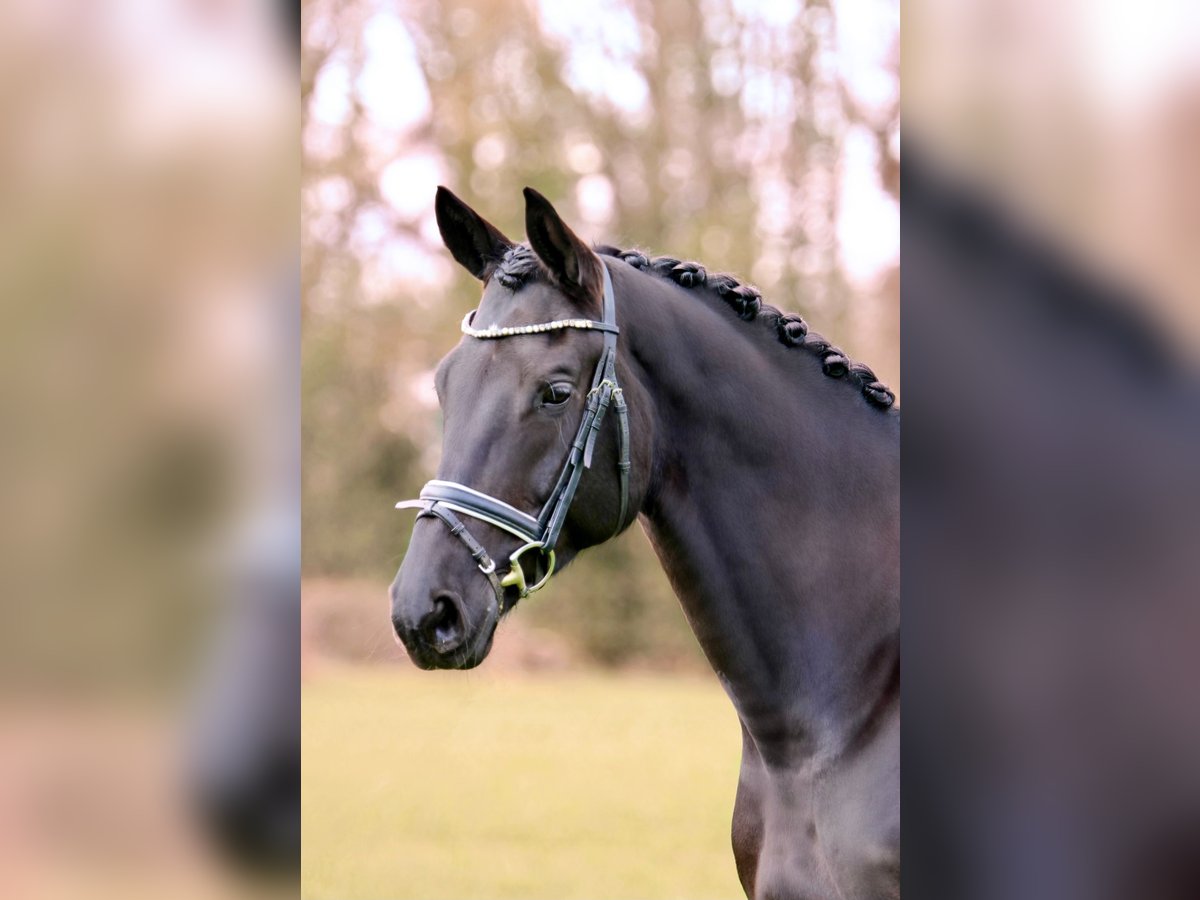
(746, 301)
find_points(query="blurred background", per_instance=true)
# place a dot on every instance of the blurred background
(1080, 122)
(760, 138)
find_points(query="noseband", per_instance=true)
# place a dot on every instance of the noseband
(442, 499)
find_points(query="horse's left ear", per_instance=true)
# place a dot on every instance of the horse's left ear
(572, 262)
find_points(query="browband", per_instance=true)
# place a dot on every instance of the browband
(495, 331)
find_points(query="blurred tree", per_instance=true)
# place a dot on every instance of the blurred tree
(715, 136)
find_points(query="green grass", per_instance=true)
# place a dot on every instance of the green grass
(467, 785)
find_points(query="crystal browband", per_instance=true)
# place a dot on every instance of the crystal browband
(496, 331)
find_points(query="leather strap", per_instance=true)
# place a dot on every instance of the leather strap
(478, 505)
(623, 463)
(486, 565)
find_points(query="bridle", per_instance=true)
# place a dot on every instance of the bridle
(442, 499)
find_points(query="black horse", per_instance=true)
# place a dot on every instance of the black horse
(764, 466)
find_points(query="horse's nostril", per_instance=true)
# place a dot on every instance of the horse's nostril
(400, 627)
(443, 626)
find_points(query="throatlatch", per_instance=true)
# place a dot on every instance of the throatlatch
(442, 499)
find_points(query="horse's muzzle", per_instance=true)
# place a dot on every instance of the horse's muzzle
(439, 630)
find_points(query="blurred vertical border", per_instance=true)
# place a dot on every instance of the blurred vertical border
(1051, 220)
(149, 463)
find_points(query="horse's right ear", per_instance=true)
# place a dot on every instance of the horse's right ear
(476, 243)
(571, 262)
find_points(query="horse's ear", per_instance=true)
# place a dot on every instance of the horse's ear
(569, 259)
(476, 243)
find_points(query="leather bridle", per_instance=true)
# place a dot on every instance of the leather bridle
(443, 499)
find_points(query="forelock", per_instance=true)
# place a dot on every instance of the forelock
(519, 267)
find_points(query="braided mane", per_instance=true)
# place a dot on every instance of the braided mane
(520, 265)
(746, 301)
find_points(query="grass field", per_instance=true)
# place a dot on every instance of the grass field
(471, 785)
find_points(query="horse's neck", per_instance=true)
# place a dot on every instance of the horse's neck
(775, 512)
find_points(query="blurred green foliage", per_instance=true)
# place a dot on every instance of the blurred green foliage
(716, 136)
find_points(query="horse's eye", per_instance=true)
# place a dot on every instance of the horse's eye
(555, 395)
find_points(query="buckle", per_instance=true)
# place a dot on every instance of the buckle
(516, 574)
